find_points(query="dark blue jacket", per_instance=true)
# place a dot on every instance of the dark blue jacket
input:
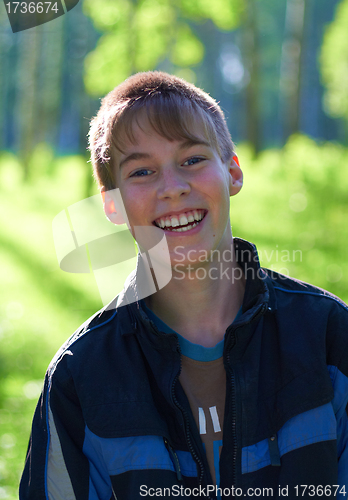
(113, 420)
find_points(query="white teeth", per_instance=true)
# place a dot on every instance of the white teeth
(183, 220)
(174, 222)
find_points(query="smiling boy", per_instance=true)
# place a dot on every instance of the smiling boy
(229, 381)
(183, 186)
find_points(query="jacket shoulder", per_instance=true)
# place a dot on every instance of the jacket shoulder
(282, 283)
(105, 317)
(315, 313)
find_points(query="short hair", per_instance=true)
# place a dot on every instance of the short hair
(175, 109)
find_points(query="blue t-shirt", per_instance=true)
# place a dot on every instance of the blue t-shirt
(203, 379)
(189, 349)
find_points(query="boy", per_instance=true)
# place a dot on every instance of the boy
(228, 381)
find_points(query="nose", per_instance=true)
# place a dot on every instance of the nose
(173, 184)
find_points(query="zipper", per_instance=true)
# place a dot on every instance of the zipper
(258, 313)
(187, 433)
(174, 458)
(170, 449)
(186, 420)
(234, 412)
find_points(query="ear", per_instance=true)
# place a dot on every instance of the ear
(111, 206)
(236, 176)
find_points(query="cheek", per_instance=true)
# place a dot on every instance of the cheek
(217, 188)
(136, 204)
(219, 196)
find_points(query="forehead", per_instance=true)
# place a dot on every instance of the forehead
(186, 123)
(144, 134)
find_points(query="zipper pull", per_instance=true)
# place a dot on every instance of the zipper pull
(274, 450)
(175, 459)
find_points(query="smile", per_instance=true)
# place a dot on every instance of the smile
(182, 222)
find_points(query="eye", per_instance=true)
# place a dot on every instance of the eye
(192, 161)
(144, 172)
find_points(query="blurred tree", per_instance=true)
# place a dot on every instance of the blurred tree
(291, 65)
(139, 34)
(250, 51)
(49, 82)
(334, 65)
(42, 94)
(27, 89)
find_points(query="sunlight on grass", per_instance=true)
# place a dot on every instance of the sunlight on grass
(40, 305)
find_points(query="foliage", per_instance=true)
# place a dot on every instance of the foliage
(293, 206)
(225, 15)
(334, 63)
(137, 36)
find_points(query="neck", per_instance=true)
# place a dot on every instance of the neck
(201, 302)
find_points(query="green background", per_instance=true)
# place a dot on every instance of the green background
(293, 206)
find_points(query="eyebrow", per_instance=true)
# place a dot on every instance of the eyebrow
(134, 156)
(193, 142)
(145, 156)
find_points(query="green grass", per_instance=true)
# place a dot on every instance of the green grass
(293, 206)
(40, 305)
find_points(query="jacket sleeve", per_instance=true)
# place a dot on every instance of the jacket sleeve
(56, 467)
(343, 450)
(337, 358)
(342, 432)
(33, 478)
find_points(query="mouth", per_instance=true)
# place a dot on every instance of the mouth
(181, 222)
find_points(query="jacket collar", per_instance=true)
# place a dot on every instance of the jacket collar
(257, 283)
(258, 290)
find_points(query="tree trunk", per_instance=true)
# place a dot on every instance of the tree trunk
(290, 70)
(252, 91)
(26, 112)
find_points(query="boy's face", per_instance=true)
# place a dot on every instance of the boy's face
(181, 187)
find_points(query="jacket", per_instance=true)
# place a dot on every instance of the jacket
(114, 422)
